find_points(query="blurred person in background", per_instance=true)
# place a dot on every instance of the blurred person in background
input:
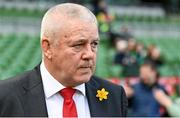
(128, 58)
(154, 55)
(141, 53)
(172, 106)
(99, 6)
(63, 85)
(121, 48)
(142, 102)
(103, 16)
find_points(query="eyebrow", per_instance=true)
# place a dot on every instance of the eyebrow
(84, 40)
(79, 41)
(97, 39)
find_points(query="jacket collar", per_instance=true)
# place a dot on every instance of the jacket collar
(97, 108)
(33, 94)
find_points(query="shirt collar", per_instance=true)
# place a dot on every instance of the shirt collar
(52, 86)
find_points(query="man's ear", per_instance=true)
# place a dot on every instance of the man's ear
(46, 48)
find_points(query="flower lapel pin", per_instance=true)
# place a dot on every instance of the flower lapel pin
(102, 94)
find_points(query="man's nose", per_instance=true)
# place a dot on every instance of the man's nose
(88, 53)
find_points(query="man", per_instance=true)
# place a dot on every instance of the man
(63, 85)
(142, 101)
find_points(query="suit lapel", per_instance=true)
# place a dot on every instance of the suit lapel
(33, 95)
(97, 108)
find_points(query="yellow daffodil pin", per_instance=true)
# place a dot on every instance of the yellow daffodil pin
(102, 94)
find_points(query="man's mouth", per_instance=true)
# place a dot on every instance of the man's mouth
(88, 66)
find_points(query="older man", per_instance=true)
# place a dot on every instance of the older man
(63, 85)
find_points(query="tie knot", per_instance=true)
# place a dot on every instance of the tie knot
(67, 93)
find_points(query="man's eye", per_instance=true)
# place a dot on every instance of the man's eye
(94, 44)
(77, 46)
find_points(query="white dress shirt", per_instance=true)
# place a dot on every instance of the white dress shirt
(54, 101)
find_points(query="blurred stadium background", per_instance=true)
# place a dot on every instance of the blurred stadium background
(149, 22)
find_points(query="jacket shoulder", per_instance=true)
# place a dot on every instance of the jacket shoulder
(10, 85)
(106, 83)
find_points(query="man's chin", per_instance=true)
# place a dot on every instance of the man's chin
(83, 78)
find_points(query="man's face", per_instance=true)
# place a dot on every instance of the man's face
(74, 56)
(147, 75)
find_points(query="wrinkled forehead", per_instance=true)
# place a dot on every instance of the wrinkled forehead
(81, 27)
(80, 24)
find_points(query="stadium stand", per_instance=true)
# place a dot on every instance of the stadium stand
(18, 53)
(148, 25)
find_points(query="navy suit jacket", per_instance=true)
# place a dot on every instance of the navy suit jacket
(23, 95)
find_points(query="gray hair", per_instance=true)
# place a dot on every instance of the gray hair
(60, 13)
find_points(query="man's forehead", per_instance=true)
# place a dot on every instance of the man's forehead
(82, 30)
(81, 40)
(79, 23)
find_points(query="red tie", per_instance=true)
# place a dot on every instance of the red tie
(69, 107)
